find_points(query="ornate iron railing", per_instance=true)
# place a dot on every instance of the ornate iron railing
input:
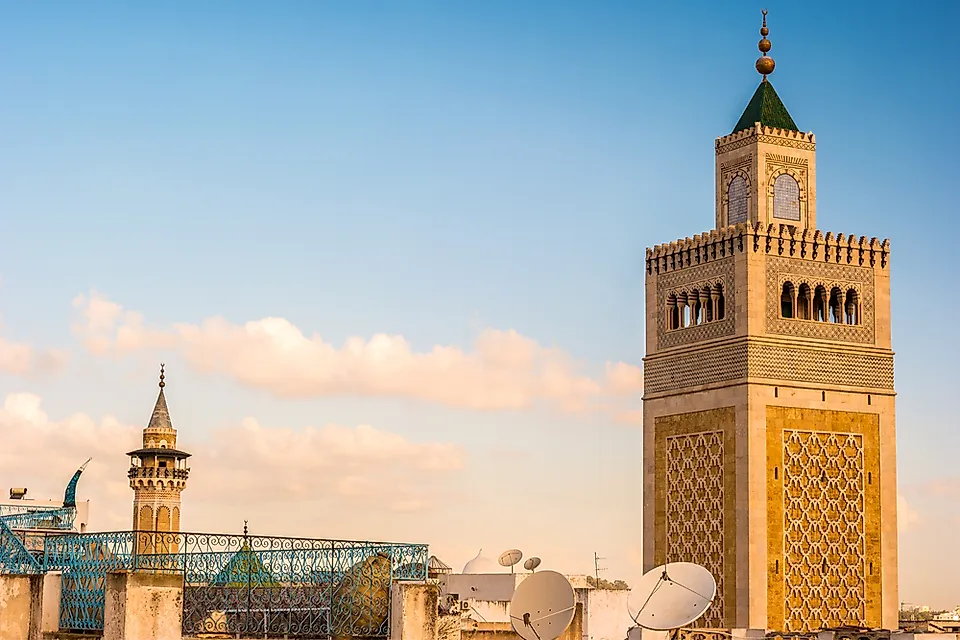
(37, 517)
(240, 584)
(14, 555)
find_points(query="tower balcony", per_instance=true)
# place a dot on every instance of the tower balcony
(162, 473)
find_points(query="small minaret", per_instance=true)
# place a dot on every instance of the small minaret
(158, 473)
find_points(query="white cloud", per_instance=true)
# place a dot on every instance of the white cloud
(334, 469)
(504, 370)
(20, 358)
(907, 517)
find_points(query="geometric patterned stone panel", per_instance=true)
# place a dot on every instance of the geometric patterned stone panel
(828, 275)
(695, 507)
(823, 519)
(695, 500)
(761, 360)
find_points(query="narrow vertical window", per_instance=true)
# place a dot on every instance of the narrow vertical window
(787, 298)
(820, 304)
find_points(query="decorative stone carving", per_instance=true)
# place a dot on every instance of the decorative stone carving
(828, 275)
(720, 271)
(824, 534)
(737, 361)
(695, 505)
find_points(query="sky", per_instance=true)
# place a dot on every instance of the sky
(392, 253)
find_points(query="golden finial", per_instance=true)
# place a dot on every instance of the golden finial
(162, 383)
(765, 63)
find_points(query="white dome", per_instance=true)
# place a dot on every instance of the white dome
(480, 564)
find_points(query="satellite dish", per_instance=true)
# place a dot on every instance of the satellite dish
(531, 564)
(542, 606)
(673, 596)
(510, 557)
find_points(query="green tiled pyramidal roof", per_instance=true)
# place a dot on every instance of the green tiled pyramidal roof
(766, 108)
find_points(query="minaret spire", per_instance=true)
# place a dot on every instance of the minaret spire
(158, 474)
(765, 63)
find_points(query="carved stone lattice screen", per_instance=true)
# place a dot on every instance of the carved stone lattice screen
(823, 534)
(695, 504)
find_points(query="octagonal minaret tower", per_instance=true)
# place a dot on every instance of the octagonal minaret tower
(158, 473)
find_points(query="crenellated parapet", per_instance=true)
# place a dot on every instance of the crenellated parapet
(776, 239)
(771, 135)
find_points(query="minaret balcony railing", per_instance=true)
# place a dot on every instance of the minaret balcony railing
(158, 472)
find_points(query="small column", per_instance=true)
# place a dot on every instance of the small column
(143, 606)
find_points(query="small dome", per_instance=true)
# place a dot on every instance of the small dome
(480, 564)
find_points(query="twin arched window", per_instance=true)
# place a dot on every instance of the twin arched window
(806, 303)
(786, 198)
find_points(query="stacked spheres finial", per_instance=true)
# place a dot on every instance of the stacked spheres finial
(765, 63)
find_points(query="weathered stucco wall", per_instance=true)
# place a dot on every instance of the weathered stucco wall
(413, 611)
(143, 606)
(607, 616)
(14, 607)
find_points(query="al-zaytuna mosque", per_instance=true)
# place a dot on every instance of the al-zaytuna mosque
(769, 456)
(769, 440)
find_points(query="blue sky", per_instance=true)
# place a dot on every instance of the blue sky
(431, 170)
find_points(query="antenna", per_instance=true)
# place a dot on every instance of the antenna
(510, 557)
(531, 564)
(675, 598)
(597, 568)
(542, 607)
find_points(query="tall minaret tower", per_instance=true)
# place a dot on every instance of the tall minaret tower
(158, 473)
(769, 406)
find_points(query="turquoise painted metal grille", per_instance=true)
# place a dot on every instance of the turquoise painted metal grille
(239, 584)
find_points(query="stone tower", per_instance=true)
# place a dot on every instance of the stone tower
(769, 419)
(158, 473)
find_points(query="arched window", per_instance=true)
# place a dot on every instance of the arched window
(737, 201)
(706, 296)
(787, 299)
(804, 301)
(852, 307)
(836, 306)
(721, 310)
(820, 304)
(786, 198)
(163, 519)
(673, 313)
(145, 519)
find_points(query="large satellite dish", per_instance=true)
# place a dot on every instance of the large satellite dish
(510, 557)
(542, 606)
(531, 564)
(673, 595)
